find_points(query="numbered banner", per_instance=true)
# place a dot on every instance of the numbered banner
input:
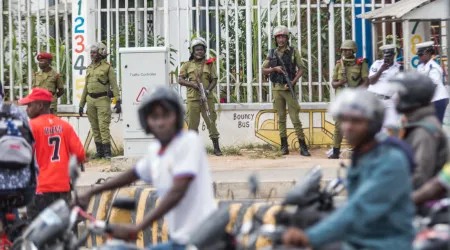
(80, 43)
(418, 31)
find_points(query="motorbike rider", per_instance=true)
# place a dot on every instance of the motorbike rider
(379, 212)
(176, 164)
(422, 130)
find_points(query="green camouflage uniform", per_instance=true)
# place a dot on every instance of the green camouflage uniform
(282, 96)
(100, 78)
(50, 81)
(189, 71)
(357, 71)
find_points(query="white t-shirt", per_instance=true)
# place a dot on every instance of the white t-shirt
(382, 86)
(434, 71)
(184, 156)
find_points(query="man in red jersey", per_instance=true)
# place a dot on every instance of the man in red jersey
(56, 141)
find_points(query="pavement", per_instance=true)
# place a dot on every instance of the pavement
(230, 173)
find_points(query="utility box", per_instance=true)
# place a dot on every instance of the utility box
(141, 71)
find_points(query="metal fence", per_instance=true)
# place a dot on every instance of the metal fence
(238, 31)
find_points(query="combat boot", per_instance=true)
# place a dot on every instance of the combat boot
(303, 147)
(99, 153)
(217, 151)
(107, 151)
(336, 153)
(284, 146)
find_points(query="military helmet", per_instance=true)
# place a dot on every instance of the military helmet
(349, 44)
(100, 48)
(359, 103)
(280, 30)
(197, 41)
(415, 90)
(159, 94)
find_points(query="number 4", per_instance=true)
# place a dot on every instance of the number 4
(55, 141)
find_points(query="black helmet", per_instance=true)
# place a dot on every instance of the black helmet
(161, 93)
(415, 90)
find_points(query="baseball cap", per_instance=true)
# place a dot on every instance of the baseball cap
(37, 94)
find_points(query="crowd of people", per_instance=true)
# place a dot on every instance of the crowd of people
(392, 120)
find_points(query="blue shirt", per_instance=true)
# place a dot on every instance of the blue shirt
(379, 212)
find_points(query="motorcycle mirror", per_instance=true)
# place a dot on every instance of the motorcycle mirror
(253, 184)
(73, 169)
(335, 186)
(124, 203)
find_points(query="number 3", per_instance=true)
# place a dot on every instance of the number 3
(79, 43)
(55, 141)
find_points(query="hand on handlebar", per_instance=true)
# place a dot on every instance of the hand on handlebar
(294, 237)
(83, 199)
(125, 232)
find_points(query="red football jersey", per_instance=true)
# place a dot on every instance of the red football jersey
(55, 142)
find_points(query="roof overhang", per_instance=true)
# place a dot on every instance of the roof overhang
(412, 10)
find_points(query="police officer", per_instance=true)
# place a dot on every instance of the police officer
(431, 68)
(280, 90)
(48, 79)
(349, 72)
(100, 87)
(379, 74)
(199, 68)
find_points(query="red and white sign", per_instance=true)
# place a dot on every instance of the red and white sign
(141, 94)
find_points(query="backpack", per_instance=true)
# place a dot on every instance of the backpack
(16, 151)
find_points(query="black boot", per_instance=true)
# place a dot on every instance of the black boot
(303, 148)
(107, 151)
(100, 153)
(217, 151)
(336, 153)
(284, 146)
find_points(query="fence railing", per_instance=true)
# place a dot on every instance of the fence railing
(239, 34)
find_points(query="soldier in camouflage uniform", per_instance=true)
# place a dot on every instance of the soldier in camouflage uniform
(100, 87)
(280, 91)
(48, 79)
(349, 72)
(189, 75)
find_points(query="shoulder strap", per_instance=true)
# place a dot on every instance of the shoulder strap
(429, 127)
(272, 51)
(403, 146)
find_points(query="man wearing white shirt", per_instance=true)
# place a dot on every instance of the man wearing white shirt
(176, 164)
(379, 74)
(431, 68)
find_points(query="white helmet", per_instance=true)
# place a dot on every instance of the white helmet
(359, 103)
(280, 30)
(197, 41)
(100, 48)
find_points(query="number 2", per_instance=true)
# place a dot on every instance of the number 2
(78, 26)
(55, 141)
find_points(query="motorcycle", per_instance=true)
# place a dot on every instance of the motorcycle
(54, 227)
(304, 205)
(311, 204)
(434, 228)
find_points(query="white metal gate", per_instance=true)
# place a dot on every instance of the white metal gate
(238, 31)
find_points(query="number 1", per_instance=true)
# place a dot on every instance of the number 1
(79, 7)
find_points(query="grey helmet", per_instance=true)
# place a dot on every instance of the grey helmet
(414, 90)
(359, 103)
(159, 94)
(280, 31)
(100, 48)
(197, 41)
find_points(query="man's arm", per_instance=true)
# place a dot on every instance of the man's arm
(298, 62)
(83, 96)
(214, 77)
(371, 200)
(170, 200)
(75, 146)
(337, 82)
(113, 83)
(59, 86)
(431, 190)
(364, 75)
(373, 78)
(183, 75)
(425, 148)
